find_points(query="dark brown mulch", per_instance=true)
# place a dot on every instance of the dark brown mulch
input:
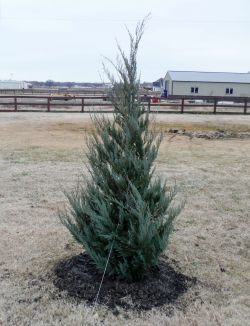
(79, 277)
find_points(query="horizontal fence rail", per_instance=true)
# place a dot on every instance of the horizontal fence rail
(177, 104)
(50, 90)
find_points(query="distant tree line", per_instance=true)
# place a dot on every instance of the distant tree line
(52, 83)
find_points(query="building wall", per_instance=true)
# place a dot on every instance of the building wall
(12, 84)
(207, 88)
(167, 83)
(157, 89)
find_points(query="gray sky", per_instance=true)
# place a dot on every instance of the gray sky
(65, 40)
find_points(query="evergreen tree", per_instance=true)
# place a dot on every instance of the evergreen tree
(122, 213)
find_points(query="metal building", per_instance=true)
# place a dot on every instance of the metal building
(158, 85)
(13, 84)
(207, 83)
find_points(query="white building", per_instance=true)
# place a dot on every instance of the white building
(207, 83)
(13, 84)
(158, 85)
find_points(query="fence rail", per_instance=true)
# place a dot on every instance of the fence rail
(49, 90)
(205, 104)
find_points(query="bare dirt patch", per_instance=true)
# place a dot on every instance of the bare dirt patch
(218, 134)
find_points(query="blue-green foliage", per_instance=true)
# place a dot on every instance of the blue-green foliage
(122, 207)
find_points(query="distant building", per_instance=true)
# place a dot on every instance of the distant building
(146, 86)
(14, 84)
(158, 85)
(207, 83)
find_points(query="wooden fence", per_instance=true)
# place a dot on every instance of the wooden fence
(49, 90)
(213, 102)
(181, 104)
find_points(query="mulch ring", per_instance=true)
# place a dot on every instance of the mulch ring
(79, 277)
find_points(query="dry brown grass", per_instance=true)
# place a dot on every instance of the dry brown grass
(39, 155)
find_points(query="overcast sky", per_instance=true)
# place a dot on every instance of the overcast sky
(65, 40)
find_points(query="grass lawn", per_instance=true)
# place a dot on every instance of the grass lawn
(42, 154)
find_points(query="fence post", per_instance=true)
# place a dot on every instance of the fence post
(215, 106)
(48, 104)
(182, 105)
(82, 104)
(15, 103)
(245, 107)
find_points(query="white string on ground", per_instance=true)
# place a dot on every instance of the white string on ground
(104, 272)
(100, 286)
